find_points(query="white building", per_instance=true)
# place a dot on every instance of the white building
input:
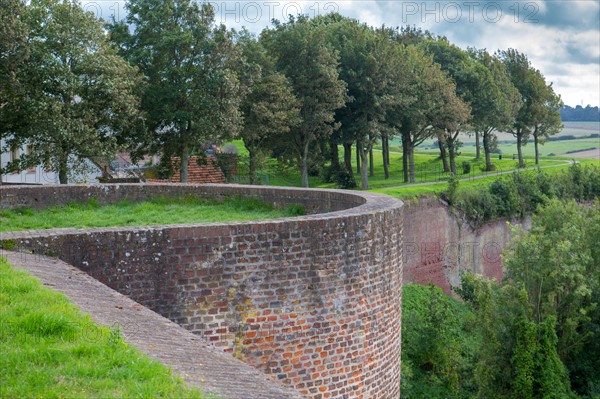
(38, 174)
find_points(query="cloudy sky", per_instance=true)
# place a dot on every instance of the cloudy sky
(560, 37)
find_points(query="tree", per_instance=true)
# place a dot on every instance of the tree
(465, 74)
(80, 97)
(14, 51)
(539, 103)
(579, 113)
(369, 66)
(496, 102)
(269, 108)
(545, 114)
(541, 325)
(430, 102)
(517, 356)
(303, 56)
(557, 262)
(192, 94)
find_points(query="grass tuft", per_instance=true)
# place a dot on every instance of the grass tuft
(49, 349)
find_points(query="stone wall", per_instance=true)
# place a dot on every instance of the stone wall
(314, 301)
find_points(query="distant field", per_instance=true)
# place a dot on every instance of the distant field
(507, 142)
(553, 147)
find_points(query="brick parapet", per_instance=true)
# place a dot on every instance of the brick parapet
(313, 301)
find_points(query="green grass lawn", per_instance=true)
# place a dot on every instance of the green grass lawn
(154, 212)
(428, 166)
(46, 350)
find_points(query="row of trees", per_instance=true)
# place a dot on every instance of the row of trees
(168, 79)
(580, 113)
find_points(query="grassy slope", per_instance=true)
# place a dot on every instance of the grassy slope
(49, 349)
(154, 212)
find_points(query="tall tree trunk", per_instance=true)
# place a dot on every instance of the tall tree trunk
(519, 149)
(335, 154)
(487, 151)
(371, 164)
(348, 156)
(63, 170)
(411, 161)
(252, 166)
(405, 145)
(477, 147)
(185, 156)
(62, 176)
(305, 166)
(184, 162)
(385, 153)
(358, 169)
(443, 155)
(364, 177)
(451, 154)
(536, 142)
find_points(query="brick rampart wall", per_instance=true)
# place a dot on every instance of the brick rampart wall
(439, 246)
(314, 301)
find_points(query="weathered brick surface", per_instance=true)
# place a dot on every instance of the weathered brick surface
(203, 172)
(313, 301)
(191, 358)
(438, 245)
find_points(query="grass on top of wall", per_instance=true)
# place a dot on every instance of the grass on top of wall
(156, 211)
(49, 349)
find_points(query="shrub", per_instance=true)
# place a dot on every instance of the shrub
(328, 174)
(227, 162)
(490, 169)
(477, 205)
(528, 189)
(345, 179)
(466, 167)
(507, 200)
(449, 194)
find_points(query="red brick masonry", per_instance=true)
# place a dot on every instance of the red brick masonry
(314, 301)
(202, 173)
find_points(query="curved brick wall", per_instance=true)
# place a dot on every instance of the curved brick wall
(314, 301)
